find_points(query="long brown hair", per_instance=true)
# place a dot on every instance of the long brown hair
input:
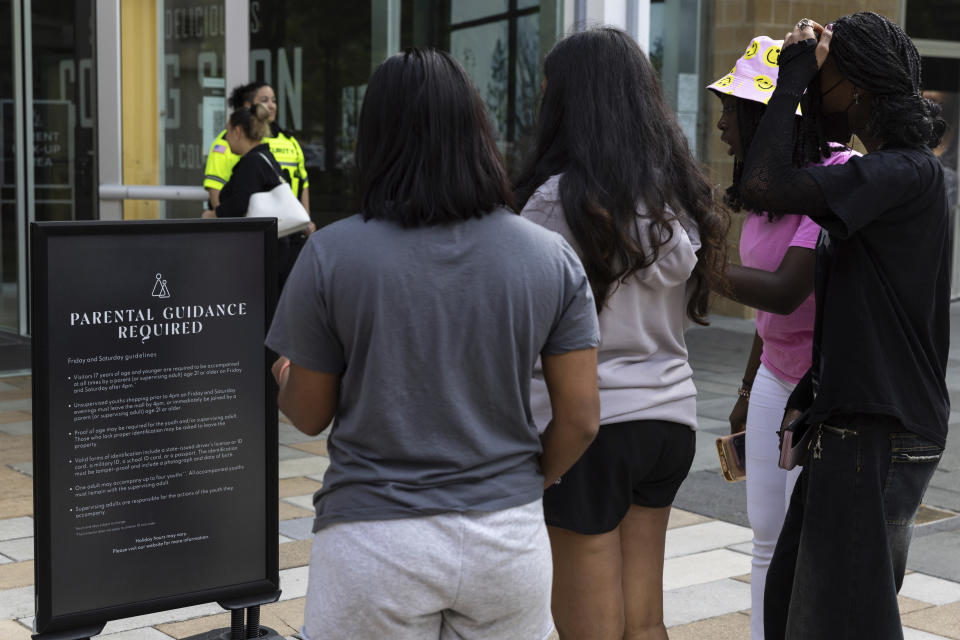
(605, 126)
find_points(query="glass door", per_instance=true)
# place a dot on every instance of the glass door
(62, 99)
(47, 167)
(11, 165)
(192, 47)
(932, 24)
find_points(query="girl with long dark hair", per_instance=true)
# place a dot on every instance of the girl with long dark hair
(613, 174)
(776, 277)
(415, 325)
(874, 403)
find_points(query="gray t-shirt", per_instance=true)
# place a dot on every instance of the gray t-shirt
(434, 332)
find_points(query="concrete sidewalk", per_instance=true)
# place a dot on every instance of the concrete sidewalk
(706, 574)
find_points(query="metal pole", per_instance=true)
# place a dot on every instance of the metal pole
(109, 104)
(110, 192)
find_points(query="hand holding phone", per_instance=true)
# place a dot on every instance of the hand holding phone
(733, 459)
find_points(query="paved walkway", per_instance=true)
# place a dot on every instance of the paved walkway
(706, 575)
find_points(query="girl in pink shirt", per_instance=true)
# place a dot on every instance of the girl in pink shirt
(777, 254)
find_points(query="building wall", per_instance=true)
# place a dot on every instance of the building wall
(736, 22)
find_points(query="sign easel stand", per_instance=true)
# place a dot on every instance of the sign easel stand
(238, 629)
(81, 633)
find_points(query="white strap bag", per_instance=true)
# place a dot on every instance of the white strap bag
(279, 203)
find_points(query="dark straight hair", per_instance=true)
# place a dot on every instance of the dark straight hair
(605, 126)
(244, 94)
(425, 149)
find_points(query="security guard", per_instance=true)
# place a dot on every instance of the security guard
(283, 146)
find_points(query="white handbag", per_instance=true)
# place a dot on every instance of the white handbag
(279, 203)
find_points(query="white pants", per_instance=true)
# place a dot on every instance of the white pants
(469, 576)
(768, 486)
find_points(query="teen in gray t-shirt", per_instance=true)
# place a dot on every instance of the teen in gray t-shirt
(434, 331)
(414, 327)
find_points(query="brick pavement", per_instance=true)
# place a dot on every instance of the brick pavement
(706, 574)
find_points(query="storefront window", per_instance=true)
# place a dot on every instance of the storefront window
(674, 52)
(192, 106)
(63, 110)
(933, 19)
(499, 44)
(47, 115)
(319, 57)
(10, 169)
(656, 35)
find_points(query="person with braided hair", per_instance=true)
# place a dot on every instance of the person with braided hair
(777, 252)
(874, 403)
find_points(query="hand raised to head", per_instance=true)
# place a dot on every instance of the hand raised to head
(807, 29)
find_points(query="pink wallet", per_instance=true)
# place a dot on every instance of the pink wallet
(795, 443)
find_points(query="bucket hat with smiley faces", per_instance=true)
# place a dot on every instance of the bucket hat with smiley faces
(754, 77)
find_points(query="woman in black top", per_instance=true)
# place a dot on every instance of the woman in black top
(256, 171)
(875, 398)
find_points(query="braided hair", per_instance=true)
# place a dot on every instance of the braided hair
(877, 56)
(749, 114)
(810, 147)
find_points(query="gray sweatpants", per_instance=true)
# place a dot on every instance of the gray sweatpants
(474, 575)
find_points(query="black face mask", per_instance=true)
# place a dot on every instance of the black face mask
(836, 126)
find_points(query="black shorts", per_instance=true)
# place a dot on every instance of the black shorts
(641, 462)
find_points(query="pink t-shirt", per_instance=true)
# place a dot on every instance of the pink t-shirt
(787, 339)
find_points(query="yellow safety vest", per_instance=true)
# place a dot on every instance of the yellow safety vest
(286, 149)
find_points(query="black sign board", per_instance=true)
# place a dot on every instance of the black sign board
(155, 419)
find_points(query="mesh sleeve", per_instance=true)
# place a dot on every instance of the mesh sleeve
(770, 181)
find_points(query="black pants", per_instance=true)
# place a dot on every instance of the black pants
(287, 252)
(842, 553)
